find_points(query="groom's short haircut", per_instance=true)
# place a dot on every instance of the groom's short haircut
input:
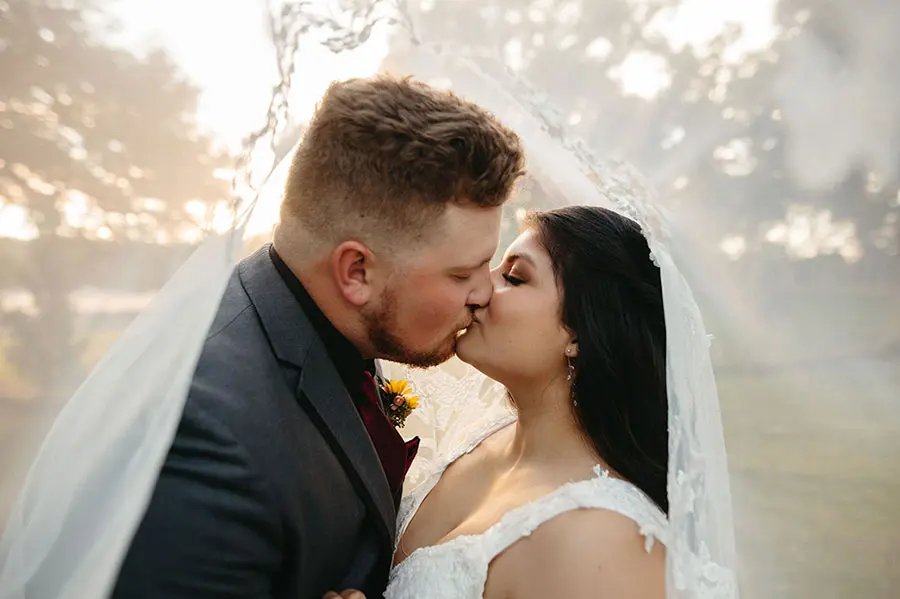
(383, 156)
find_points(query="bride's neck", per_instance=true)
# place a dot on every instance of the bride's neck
(546, 432)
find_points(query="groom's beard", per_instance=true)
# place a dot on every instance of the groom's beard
(381, 324)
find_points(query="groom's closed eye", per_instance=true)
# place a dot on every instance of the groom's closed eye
(473, 267)
(464, 273)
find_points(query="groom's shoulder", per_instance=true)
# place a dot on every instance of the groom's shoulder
(239, 381)
(237, 359)
(237, 372)
(237, 396)
(235, 310)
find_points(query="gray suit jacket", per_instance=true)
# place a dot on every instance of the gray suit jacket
(272, 488)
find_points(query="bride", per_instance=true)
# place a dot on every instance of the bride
(575, 331)
(567, 497)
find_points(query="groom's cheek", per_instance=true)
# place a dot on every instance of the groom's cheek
(432, 309)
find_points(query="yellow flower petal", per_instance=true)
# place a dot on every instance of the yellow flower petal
(396, 386)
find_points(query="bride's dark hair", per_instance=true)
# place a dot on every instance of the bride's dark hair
(612, 301)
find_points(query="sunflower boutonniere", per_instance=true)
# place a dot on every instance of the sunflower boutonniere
(399, 402)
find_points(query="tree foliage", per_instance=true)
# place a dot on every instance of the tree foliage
(713, 137)
(100, 151)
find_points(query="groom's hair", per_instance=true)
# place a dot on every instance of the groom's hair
(383, 156)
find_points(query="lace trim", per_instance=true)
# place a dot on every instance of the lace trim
(600, 492)
(410, 504)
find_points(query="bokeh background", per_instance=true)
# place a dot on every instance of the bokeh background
(771, 129)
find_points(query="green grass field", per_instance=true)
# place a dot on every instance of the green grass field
(813, 435)
(816, 488)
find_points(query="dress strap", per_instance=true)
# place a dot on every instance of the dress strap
(472, 438)
(601, 492)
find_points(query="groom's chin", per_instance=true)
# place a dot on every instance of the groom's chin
(425, 359)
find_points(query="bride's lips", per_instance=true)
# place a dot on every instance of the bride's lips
(463, 330)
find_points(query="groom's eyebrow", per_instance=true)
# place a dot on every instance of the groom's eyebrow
(479, 265)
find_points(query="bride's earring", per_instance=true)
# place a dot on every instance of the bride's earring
(571, 364)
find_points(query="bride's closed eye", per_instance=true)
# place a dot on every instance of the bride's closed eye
(512, 280)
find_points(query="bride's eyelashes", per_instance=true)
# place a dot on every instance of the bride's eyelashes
(514, 281)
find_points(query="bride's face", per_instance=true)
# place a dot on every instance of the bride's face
(519, 337)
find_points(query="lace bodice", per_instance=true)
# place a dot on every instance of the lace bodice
(458, 569)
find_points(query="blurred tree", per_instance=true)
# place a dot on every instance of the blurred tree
(838, 89)
(705, 122)
(643, 100)
(99, 151)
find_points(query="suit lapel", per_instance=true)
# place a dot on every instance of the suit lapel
(295, 341)
(379, 380)
(321, 385)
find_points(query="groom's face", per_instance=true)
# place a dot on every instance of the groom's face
(431, 295)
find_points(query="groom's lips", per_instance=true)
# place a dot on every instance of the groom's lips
(466, 328)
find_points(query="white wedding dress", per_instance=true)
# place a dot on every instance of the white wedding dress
(458, 568)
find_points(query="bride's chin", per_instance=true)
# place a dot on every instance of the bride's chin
(475, 355)
(465, 346)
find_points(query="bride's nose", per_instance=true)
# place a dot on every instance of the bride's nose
(496, 276)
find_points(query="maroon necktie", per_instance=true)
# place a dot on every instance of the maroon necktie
(396, 455)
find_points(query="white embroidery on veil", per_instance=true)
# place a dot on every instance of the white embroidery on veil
(458, 404)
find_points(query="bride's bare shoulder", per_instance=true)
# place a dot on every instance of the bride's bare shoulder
(585, 553)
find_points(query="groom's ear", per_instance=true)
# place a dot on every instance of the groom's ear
(351, 269)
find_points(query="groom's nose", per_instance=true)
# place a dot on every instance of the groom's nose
(481, 294)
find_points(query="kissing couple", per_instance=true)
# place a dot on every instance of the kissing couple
(285, 477)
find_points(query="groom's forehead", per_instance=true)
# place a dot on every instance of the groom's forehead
(459, 255)
(470, 249)
(466, 256)
(469, 225)
(463, 237)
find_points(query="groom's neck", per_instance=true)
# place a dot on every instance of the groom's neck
(316, 281)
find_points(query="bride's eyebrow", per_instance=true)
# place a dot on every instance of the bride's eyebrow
(521, 256)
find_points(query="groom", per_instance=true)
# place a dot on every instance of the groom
(284, 476)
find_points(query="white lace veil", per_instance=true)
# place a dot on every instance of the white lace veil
(809, 416)
(701, 547)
